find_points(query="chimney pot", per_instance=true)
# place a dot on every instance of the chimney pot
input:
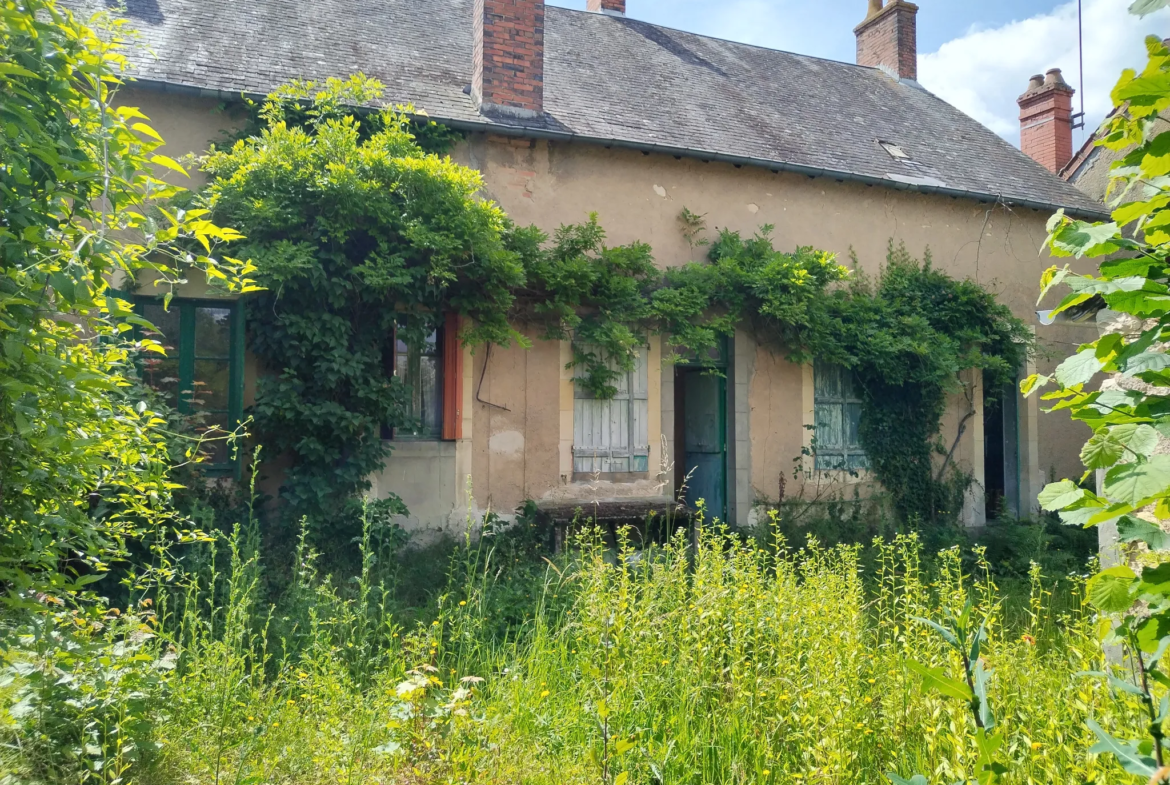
(1053, 76)
(508, 76)
(611, 7)
(888, 38)
(1046, 120)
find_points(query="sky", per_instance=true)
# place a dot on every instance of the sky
(975, 54)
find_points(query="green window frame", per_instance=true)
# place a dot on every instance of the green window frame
(837, 410)
(203, 369)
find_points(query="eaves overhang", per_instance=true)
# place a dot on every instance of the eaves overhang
(530, 132)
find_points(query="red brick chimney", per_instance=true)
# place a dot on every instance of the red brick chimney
(508, 70)
(888, 38)
(1046, 120)
(612, 7)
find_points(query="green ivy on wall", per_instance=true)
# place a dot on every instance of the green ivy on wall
(356, 227)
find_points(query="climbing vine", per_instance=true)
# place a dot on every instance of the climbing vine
(906, 337)
(360, 234)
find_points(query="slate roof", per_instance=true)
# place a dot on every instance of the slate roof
(607, 79)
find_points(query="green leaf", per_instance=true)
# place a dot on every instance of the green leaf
(1146, 361)
(1131, 529)
(1113, 590)
(169, 163)
(1155, 581)
(11, 69)
(1146, 7)
(982, 680)
(936, 679)
(622, 778)
(1127, 753)
(1058, 495)
(1125, 686)
(1133, 483)
(917, 779)
(1101, 451)
(1080, 238)
(946, 634)
(1078, 369)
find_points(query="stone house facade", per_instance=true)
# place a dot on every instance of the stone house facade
(570, 112)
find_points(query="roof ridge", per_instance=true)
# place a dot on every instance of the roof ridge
(705, 36)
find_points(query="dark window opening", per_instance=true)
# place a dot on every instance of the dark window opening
(419, 366)
(202, 373)
(1001, 456)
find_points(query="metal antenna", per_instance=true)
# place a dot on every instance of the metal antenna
(1078, 119)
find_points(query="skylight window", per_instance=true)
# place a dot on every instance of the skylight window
(896, 152)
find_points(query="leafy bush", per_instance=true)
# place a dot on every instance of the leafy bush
(82, 464)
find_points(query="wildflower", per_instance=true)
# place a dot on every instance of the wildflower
(1037, 746)
(291, 703)
(544, 694)
(767, 772)
(462, 603)
(1028, 639)
(871, 681)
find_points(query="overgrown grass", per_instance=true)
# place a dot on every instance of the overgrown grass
(712, 659)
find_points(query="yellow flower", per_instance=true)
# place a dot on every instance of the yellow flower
(767, 772)
(1036, 746)
(871, 681)
(462, 603)
(544, 694)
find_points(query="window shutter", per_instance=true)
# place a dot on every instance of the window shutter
(611, 435)
(452, 379)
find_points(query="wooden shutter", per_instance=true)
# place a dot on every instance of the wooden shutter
(452, 379)
(611, 435)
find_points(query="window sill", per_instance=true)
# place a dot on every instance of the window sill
(420, 448)
(617, 477)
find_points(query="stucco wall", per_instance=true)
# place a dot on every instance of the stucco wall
(640, 196)
(519, 453)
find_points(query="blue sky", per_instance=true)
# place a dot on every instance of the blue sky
(976, 54)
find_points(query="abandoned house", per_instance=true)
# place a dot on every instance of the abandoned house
(568, 112)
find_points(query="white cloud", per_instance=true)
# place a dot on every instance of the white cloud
(983, 72)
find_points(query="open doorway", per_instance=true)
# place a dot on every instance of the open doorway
(1001, 455)
(701, 439)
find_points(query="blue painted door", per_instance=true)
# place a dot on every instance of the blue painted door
(705, 442)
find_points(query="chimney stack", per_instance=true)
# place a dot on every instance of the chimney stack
(611, 7)
(1046, 120)
(508, 70)
(888, 38)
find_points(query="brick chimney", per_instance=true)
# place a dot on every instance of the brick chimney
(611, 7)
(508, 70)
(1046, 120)
(888, 38)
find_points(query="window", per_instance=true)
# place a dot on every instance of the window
(420, 367)
(202, 374)
(838, 416)
(611, 436)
